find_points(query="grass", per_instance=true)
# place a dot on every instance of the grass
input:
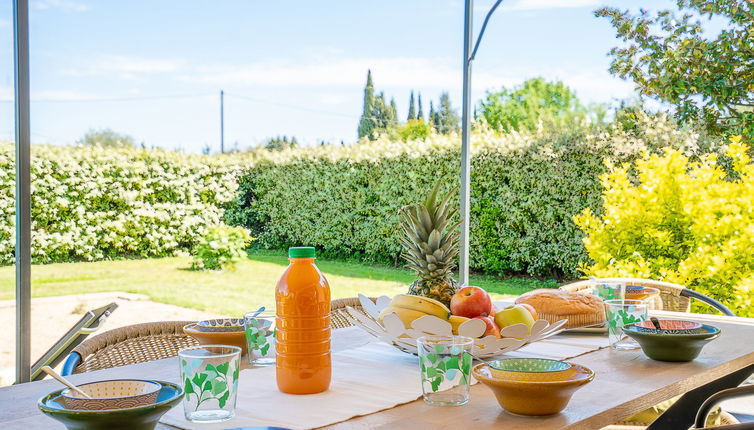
(252, 284)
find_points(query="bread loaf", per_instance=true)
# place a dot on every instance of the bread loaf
(581, 310)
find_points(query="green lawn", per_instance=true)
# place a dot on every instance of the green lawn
(251, 285)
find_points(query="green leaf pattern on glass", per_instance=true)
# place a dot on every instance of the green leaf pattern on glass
(258, 336)
(624, 317)
(211, 383)
(441, 366)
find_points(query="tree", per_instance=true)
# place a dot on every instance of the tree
(411, 107)
(106, 137)
(280, 143)
(704, 75)
(420, 114)
(446, 119)
(367, 121)
(432, 118)
(532, 104)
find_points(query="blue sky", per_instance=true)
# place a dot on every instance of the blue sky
(154, 69)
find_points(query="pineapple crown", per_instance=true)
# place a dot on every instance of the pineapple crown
(431, 239)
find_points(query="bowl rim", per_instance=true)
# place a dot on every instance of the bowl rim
(648, 323)
(711, 332)
(42, 402)
(156, 387)
(240, 320)
(569, 366)
(194, 329)
(580, 370)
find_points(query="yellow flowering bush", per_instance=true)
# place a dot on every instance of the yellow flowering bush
(91, 203)
(678, 220)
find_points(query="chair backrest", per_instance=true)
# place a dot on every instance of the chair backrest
(133, 344)
(670, 294)
(337, 306)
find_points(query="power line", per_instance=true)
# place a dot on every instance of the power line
(302, 108)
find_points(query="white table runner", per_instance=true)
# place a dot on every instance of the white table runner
(365, 380)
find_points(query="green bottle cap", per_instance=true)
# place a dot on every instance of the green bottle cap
(301, 252)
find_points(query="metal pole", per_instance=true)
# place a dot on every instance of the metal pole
(23, 190)
(222, 121)
(463, 266)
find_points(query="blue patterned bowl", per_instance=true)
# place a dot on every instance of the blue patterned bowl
(136, 418)
(220, 325)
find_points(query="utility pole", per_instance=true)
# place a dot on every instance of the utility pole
(222, 121)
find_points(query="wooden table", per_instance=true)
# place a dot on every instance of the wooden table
(626, 383)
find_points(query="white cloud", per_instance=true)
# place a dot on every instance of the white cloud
(60, 4)
(551, 4)
(127, 67)
(7, 94)
(390, 71)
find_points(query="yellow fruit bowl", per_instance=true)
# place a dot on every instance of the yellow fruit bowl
(533, 397)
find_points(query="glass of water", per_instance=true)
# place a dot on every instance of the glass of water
(209, 376)
(445, 369)
(621, 313)
(260, 338)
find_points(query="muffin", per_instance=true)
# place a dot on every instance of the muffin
(582, 310)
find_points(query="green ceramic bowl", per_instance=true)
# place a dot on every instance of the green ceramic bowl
(137, 418)
(672, 347)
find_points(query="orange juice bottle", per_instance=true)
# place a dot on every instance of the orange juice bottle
(302, 343)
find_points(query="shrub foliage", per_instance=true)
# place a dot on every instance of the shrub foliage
(221, 247)
(526, 188)
(688, 222)
(91, 203)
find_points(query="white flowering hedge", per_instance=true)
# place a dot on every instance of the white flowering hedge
(90, 203)
(526, 188)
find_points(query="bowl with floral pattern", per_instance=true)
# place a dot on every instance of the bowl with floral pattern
(531, 369)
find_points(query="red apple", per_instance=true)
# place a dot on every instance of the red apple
(493, 311)
(470, 302)
(492, 328)
(531, 310)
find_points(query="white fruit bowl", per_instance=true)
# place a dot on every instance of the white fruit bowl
(393, 331)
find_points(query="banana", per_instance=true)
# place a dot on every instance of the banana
(421, 304)
(406, 315)
(456, 321)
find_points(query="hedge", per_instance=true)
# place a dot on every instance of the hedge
(526, 188)
(91, 203)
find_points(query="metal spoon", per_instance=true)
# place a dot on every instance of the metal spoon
(656, 322)
(259, 311)
(50, 371)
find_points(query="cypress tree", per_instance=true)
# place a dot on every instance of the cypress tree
(393, 113)
(411, 107)
(448, 119)
(367, 121)
(420, 114)
(432, 118)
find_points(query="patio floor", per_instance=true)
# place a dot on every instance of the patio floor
(53, 316)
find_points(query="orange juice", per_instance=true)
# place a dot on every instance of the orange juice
(302, 343)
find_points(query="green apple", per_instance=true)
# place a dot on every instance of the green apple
(515, 314)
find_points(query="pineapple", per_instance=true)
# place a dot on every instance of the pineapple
(430, 245)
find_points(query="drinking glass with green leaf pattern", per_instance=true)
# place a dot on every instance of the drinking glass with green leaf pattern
(445, 363)
(260, 338)
(209, 375)
(609, 290)
(621, 313)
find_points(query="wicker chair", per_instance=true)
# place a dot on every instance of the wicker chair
(129, 345)
(337, 307)
(673, 297)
